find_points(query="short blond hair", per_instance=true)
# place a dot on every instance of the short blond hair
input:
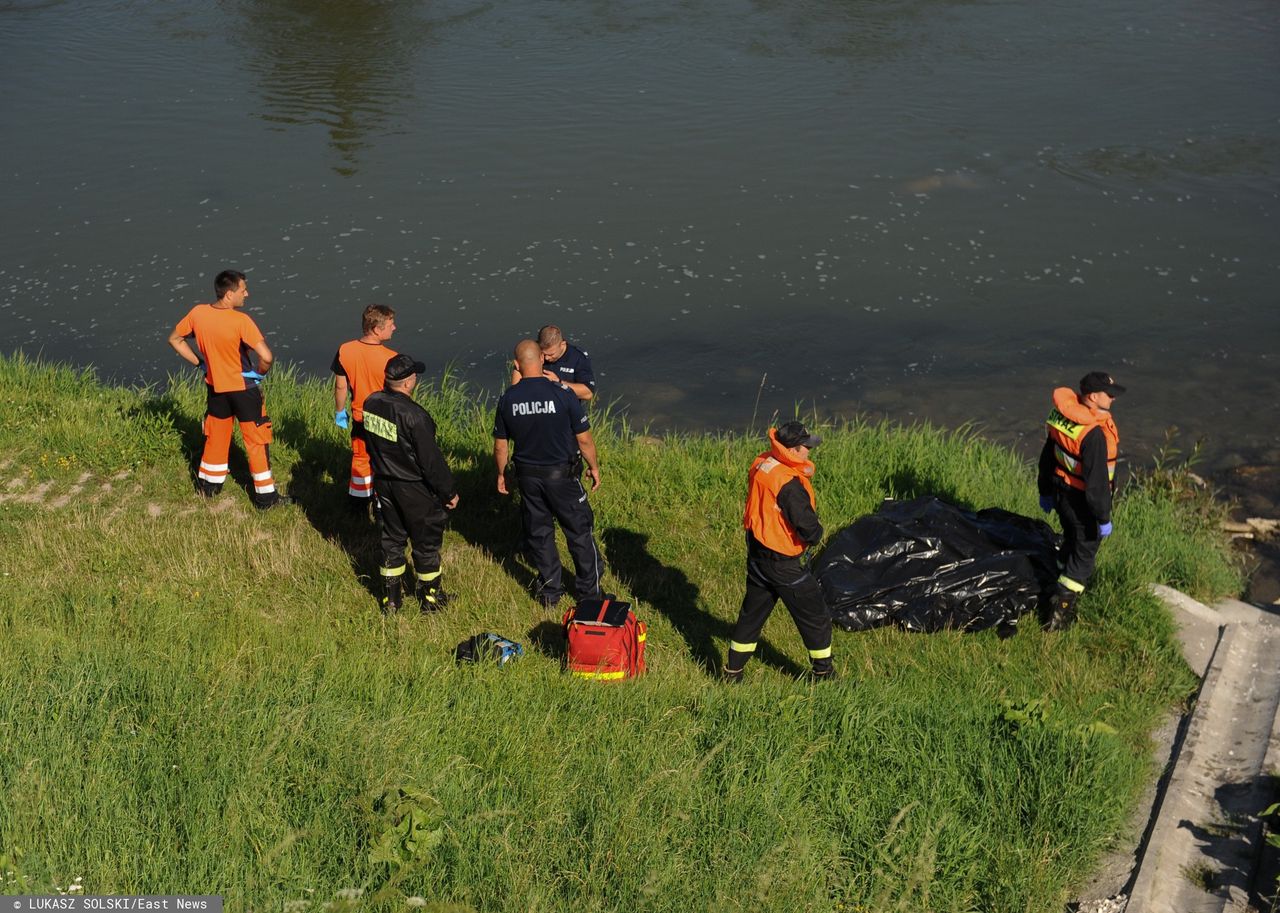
(374, 316)
(549, 336)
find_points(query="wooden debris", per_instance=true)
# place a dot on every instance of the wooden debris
(1252, 528)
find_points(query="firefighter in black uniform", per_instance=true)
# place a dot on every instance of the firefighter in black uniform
(781, 522)
(1077, 478)
(549, 428)
(413, 484)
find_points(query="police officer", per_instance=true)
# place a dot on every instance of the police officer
(781, 521)
(564, 363)
(412, 482)
(1077, 478)
(548, 426)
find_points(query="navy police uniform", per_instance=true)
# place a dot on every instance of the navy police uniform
(413, 484)
(542, 418)
(573, 367)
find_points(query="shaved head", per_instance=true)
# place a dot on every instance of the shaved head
(529, 358)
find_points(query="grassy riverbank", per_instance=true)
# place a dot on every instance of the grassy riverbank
(195, 697)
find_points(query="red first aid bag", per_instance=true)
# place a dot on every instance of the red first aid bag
(606, 640)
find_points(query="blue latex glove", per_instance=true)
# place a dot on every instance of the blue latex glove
(252, 375)
(1104, 530)
(1046, 503)
(340, 418)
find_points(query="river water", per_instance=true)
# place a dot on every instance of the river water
(922, 210)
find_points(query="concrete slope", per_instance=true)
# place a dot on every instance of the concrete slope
(1203, 848)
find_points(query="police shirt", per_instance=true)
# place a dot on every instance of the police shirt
(542, 419)
(573, 367)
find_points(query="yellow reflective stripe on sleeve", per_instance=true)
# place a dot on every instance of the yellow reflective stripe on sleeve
(1071, 584)
(391, 571)
(741, 648)
(376, 424)
(824, 653)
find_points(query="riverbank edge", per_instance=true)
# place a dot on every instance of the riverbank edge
(172, 414)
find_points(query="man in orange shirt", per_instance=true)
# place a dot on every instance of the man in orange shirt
(227, 339)
(359, 368)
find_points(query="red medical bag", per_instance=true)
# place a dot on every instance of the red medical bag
(606, 640)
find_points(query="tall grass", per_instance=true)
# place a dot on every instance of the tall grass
(196, 697)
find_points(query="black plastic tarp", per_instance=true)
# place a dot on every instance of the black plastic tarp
(929, 566)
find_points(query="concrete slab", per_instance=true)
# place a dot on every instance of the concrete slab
(1203, 843)
(1199, 627)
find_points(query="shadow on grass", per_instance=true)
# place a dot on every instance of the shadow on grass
(487, 520)
(547, 637)
(325, 503)
(675, 596)
(909, 484)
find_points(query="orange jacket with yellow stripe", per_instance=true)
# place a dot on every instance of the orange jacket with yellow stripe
(783, 521)
(1081, 451)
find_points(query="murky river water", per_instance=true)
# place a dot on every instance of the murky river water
(920, 209)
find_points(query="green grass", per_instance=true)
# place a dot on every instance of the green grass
(195, 697)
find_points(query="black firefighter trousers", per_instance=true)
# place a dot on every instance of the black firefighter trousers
(409, 511)
(769, 580)
(1080, 538)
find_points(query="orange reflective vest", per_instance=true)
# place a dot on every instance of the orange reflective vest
(1069, 421)
(763, 517)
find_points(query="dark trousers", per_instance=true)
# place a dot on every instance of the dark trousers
(787, 579)
(409, 511)
(1080, 539)
(544, 500)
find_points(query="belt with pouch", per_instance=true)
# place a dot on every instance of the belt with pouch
(561, 471)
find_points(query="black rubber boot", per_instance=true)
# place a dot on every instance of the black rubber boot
(431, 595)
(1063, 610)
(731, 676)
(824, 670)
(393, 595)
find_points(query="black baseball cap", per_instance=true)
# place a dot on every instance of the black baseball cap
(402, 366)
(1100, 382)
(794, 434)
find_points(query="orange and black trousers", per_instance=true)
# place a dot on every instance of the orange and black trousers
(222, 411)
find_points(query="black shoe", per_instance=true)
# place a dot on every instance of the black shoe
(432, 598)
(358, 506)
(278, 501)
(1062, 613)
(826, 672)
(548, 602)
(208, 489)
